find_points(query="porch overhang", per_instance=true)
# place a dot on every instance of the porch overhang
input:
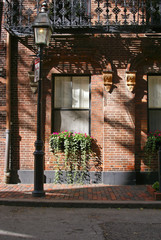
(85, 16)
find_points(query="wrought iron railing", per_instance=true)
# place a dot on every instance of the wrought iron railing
(85, 15)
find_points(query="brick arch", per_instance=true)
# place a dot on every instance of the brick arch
(97, 61)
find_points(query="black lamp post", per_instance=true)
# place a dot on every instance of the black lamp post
(42, 32)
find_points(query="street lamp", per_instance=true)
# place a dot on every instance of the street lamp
(42, 32)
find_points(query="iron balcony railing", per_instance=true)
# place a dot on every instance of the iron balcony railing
(77, 16)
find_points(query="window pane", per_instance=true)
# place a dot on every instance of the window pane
(75, 121)
(63, 93)
(80, 92)
(154, 91)
(154, 120)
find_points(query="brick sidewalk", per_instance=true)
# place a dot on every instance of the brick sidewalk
(78, 192)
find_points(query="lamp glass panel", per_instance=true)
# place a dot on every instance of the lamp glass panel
(41, 35)
(48, 36)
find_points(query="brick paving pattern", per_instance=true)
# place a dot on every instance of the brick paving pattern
(78, 192)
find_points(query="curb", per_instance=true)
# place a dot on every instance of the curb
(81, 204)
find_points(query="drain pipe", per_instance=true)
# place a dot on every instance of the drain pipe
(7, 171)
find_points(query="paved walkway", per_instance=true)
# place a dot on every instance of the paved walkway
(131, 196)
(78, 192)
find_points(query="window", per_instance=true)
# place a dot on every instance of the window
(154, 102)
(71, 104)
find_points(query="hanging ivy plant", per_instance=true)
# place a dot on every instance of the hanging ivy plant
(152, 145)
(77, 152)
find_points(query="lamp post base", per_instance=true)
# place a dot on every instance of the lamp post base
(38, 170)
(37, 193)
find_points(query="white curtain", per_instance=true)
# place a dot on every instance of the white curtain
(80, 92)
(75, 121)
(154, 91)
(154, 101)
(62, 92)
(71, 93)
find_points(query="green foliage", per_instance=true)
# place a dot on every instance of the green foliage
(156, 186)
(77, 152)
(152, 145)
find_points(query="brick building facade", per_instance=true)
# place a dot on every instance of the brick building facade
(118, 116)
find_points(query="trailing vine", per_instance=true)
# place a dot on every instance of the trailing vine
(152, 145)
(77, 150)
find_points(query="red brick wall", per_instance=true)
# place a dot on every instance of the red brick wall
(118, 117)
(119, 127)
(23, 110)
(114, 114)
(2, 93)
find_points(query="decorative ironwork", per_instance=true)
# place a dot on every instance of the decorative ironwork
(107, 16)
(85, 15)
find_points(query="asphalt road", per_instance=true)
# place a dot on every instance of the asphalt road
(79, 224)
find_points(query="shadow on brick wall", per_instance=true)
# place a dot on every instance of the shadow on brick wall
(1, 11)
(15, 136)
